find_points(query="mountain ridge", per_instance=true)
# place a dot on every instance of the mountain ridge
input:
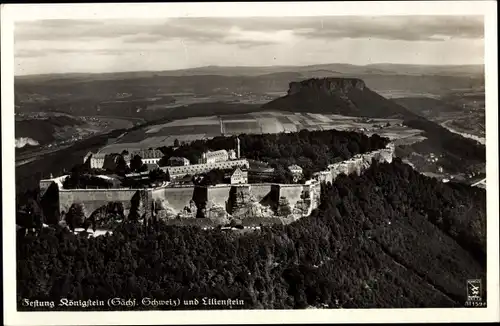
(258, 70)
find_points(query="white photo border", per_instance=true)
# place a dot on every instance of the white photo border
(25, 12)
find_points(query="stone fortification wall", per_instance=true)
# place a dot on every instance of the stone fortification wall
(218, 195)
(260, 191)
(292, 192)
(175, 198)
(92, 199)
(241, 200)
(44, 185)
(356, 164)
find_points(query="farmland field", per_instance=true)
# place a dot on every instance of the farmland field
(187, 130)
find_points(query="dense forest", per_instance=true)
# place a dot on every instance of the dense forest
(388, 238)
(312, 150)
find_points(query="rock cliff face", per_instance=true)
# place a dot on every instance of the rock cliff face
(339, 86)
(240, 199)
(217, 213)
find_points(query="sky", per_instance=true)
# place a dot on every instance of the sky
(116, 45)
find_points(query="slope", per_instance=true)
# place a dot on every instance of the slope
(389, 238)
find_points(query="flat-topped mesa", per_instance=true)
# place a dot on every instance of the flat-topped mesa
(328, 85)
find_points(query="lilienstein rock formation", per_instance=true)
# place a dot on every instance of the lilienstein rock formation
(329, 86)
(220, 203)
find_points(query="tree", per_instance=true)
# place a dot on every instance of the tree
(75, 216)
(136, 163)
(176, 143)
(121, 166)
(163, 161)
(31, 217)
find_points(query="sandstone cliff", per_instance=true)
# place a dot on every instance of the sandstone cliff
(330, 86)
(345, 96)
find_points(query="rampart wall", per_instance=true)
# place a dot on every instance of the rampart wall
(176, 198)
(92, 199)
(260, 191)
(301, 197)
(292, 192)
(218, 195)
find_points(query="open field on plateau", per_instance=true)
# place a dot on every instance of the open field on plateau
(186, 130)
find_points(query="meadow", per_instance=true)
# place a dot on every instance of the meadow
(187, 130)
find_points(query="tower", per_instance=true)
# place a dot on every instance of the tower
(222, 131)
(238, 148)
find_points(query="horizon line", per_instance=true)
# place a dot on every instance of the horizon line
(239, 66)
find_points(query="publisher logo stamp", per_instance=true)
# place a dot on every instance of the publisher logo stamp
(474, 290)
(474, 293)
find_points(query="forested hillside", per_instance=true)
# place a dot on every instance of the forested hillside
(42, 130)
(389, 238)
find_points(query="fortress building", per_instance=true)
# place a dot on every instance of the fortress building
(149, 156)
(214, 157)
(239, 175)
(296, 172)
(96, 160)
(222, 155)
(178, 161)
(176, 172)
(239, 197)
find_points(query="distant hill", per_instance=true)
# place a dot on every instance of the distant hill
(351, 96)
(42, 130)
(345, 96)
(390, 69)
(379, 76)
(131, 94)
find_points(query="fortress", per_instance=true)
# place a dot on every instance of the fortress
(219, 203)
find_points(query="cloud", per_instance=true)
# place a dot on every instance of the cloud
(246, 44)
(25, 53)
(397, 28)
(406, 28)
(117, 37)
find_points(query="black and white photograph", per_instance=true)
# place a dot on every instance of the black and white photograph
(257, 158)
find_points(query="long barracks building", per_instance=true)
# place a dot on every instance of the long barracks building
(180, 171)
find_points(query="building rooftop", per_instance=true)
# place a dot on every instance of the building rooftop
(178, 158)
(98, 155)
(149, 153)
(152, 166)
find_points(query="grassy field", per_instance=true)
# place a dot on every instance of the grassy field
(186, 130)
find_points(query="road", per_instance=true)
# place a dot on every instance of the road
(483, 181)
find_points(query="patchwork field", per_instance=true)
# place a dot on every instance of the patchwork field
(190, 129)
